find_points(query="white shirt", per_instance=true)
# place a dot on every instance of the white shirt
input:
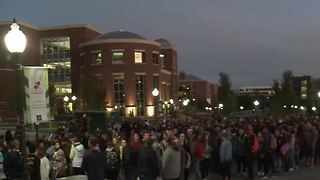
(44, 168)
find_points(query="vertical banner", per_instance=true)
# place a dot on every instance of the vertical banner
(37, 96)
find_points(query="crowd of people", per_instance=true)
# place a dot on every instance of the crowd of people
(173, 149)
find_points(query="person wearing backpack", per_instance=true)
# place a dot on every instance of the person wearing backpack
(112, 161)
(33, 162)
(250, 149)
(76, 156)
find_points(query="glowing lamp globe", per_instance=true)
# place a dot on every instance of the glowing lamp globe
(74, 98)
(15, 39)
(256, 103)
(66, 98)
(155, 92)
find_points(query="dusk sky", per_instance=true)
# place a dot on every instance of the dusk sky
(253, 41)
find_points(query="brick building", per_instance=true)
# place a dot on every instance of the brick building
(200, 90)
(125, 63)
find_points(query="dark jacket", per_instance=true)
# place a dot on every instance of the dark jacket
(94, 164)
(13, 164)
(148, 165)
(33, 162)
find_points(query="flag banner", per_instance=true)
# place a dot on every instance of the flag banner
(37, 99)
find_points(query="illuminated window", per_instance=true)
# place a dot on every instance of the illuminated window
(97, 58)
(117, 56)
(139, 57)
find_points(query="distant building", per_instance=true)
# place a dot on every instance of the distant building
(256, 91)
(302, 86)
(195, 88)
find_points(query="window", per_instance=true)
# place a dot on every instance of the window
(140, 94)
(55, 54)
(155, 82)
(139, 57)
(304, 83)
(117, 56)
(118, 90)
(155, 58)
(97, 58)
(161, 60)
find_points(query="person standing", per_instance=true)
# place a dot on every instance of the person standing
(171, 160)
(112, 161)
(225, 153)
(148, 165)
(94, 161)
(44, 165)
(249, 152)
(33, 162)
(76, 156)
(59, 163)
(13, 162)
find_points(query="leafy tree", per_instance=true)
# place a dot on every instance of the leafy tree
(91, 93)
(286, 95)
(225, 95)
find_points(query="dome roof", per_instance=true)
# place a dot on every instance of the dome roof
(120, 35)
(164, 43)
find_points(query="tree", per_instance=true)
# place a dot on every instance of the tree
(226, 95)
(285, 96)
(92, 93)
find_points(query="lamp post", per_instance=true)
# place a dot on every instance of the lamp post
(256, 104)
(16, 41)
(155, 94)
(73, 98)
(66, 99)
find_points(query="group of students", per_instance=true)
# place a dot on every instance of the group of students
(173, 149)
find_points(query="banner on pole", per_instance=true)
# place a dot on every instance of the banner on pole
(37, 96)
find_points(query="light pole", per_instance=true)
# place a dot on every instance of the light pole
(66, 99)
(256, 104)
(155, 94)
(73, 98)
(16, 42)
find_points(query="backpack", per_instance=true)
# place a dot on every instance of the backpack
(112, 160)
(256, 145)
(273, 144)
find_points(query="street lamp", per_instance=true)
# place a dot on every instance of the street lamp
(241, 107)
(73, 98)
(155, 94)
(185, 102)
(319, 94)
(16, 42)
(314, 108)
(171, 101)
(220, 105)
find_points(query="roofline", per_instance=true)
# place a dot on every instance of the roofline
(198, 80)
(19, 23)
(70, 26)
(104, 41)
(172, 48)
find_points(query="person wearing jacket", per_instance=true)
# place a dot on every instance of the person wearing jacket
(238, 150)
(198, 154)
(248, 150)
(59, 163)
(94, 161)
(76, 156)
(13, 162)
(225, 154)
(171, 160)
(148, 165)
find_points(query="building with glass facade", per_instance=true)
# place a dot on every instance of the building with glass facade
(116, 71)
